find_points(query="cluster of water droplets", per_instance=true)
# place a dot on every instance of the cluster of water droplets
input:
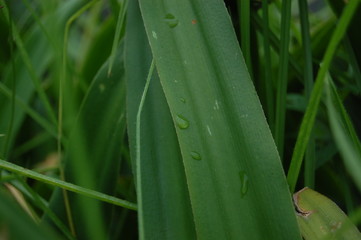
(183, 123)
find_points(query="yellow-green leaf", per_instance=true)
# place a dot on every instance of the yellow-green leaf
(320, 218)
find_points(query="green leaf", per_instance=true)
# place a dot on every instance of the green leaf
(164, 205)
(321, 218)
(235, 179)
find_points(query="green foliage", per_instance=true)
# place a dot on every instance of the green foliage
(174, 119)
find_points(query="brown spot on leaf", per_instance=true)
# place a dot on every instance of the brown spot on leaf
(300, 211)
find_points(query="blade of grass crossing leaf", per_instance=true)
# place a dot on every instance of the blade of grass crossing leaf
(214, 107)
(138, 163)
(310, 115)
(282, 77)
(120, 22)
(310, 157)
(68, 186)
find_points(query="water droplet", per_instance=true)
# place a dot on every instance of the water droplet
(209, 130)
(216, 105)
(196, 156)
(154, 34)
(182, 122)
(244, 183)
(171, 20)
(182, 100)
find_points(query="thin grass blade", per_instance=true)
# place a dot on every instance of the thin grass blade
(310, 114)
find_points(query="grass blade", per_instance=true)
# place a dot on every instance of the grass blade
(267, 67)
(68, 186)
(310, 157)
(282, 77)
(344, 133)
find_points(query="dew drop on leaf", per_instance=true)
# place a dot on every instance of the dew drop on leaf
(244, 183)
(196, 155)
(182, 122)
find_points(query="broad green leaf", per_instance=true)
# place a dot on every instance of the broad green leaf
(164, 206)
(93, 151)
(16, 224)
(234, 174)
(321, 218)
